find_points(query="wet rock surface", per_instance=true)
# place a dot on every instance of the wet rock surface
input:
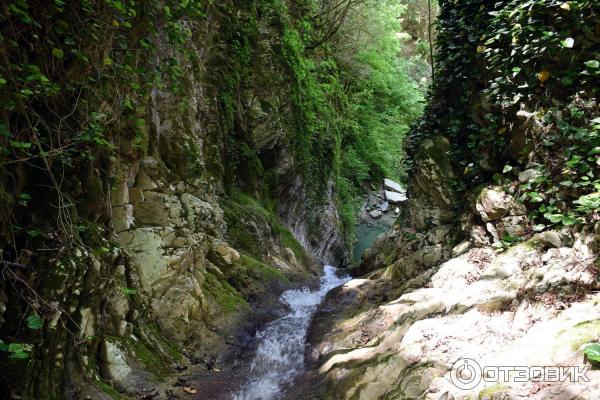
(497, 309)
(426, 296)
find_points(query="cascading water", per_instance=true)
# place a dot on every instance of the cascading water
(280, 354)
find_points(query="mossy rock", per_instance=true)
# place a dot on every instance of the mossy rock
(224, 295)
(490, 393)
(580, 334)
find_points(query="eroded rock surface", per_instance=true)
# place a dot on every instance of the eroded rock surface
(528, 306)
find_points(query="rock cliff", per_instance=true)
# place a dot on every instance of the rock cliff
(495, 258)
(165, 242)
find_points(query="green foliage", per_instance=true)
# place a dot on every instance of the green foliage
(496, 58)
(34, 321)
(129, 291)
(592, 352)
(568, 188)
(16, 351)
(349, 108)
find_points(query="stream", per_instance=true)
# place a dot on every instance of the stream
(279, 357)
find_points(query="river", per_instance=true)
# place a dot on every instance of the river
(279, 357)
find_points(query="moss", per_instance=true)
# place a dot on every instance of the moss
(224, 294)
(111, 391)
(261, 269)
(489, 392)
(240, 210)
(289, 241)
(252, 205)
(170, 348)
(580, 334)
(153, 361)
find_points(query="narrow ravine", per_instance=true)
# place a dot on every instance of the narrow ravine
(279, 357)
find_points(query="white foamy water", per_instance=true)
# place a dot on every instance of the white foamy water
(280, 354)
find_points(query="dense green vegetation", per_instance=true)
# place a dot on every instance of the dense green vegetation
(533, 104)
(352, 97)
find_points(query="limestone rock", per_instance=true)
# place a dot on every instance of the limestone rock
(432, 195)
(375, 214)
(158, 209)
(144, 182)
(114, 364)
(136, 195)
(223, 255)
(88, 320)
(529, 175)
(520, 136)
(157, 268)
(494, 309)
(479, 236)
(319, 233)
(384, 207)
(392, 186)
(122, 217)
(516, 225)
(550, 239)
(120, 194)
(493, 204)
(394, 197)
(491, 228)
(461, 248)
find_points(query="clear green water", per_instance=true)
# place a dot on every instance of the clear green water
(367, 231)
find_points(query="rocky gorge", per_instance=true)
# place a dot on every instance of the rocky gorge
(181, 178)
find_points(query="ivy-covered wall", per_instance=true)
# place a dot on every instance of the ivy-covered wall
(516, 90)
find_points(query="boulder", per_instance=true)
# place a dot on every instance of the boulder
(221, 254)
(494, 204)
(516, 226)
(384, 207)
(375, 214)
(550, 239)
(394, 197)
(114, 366)
(529, 175)
(461, 248)
(392, 186)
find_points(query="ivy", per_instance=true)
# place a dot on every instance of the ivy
(498, 58)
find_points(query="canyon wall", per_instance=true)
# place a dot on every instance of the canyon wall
(495, 257)
(153, 206)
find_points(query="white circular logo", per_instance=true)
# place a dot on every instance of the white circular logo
(465, 373)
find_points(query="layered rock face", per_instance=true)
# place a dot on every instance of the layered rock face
(530, 306)
(187, 231)
(494, 260)
(430, 300)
